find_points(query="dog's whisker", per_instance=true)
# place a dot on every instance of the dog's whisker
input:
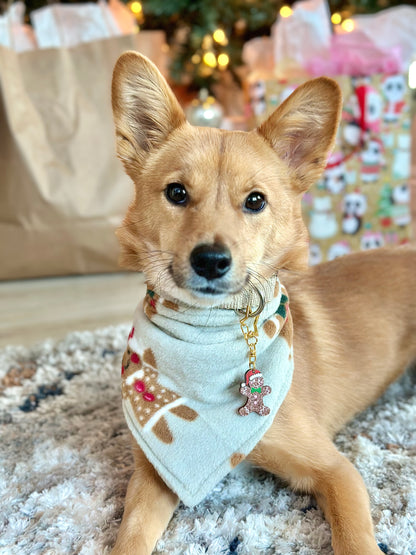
(131, 223)
(257, 282)
(268, 265)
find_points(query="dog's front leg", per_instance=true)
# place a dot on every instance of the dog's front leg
(304, 456)
(342, 495)
(148, 508)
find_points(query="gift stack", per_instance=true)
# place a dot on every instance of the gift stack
(363, 198)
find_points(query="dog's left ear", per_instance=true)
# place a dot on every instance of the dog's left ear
(144, 107)
(302, 129)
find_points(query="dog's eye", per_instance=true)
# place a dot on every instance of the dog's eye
(255, 202)
(176, 193)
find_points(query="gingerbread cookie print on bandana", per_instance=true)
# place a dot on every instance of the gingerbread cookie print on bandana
(282, 323)
(284, 318)
(150, 400)
(150, 303)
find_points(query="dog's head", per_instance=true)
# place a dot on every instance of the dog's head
(215, 211)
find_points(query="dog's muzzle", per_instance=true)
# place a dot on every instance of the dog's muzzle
(211, 261)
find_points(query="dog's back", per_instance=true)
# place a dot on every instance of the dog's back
(357, 313)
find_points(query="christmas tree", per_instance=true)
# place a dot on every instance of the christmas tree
(206, 38)
(384, 211)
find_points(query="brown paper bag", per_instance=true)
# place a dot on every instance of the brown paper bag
(62, 190)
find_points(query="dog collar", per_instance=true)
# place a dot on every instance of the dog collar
(249, 297)
(238, 302)
(182, 377)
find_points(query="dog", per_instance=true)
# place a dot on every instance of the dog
(216, 227)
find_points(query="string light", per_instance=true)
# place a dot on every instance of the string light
(223, 60)
(220, 37)
(336, 18)
(209, 59)
(207, 54)
(286, 11)
(348, 25)
(136, 7)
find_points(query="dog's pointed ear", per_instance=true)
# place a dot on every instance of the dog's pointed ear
(144, 107)
(302, 129)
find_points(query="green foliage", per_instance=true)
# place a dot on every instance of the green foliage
(187, 23)
(366, 6)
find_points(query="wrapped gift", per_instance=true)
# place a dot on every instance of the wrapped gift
(363, 198)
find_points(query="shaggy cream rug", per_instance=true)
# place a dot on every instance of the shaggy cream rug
(65, 463)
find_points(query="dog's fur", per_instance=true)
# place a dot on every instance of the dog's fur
(354, 318)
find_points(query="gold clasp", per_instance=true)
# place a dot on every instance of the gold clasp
(251, 336)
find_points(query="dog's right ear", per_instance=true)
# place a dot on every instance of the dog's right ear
(144, 107)
(302, 129)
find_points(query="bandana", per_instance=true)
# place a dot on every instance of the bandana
(181, 378)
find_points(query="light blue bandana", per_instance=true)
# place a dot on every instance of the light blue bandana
(181, 380)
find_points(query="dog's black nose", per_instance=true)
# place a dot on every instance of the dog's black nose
(211, 261)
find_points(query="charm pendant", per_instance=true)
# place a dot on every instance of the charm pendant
(254, 389)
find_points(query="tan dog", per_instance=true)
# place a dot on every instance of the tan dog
(239, 196)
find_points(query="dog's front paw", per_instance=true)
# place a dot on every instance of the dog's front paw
(133, 547)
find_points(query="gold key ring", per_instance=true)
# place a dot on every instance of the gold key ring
(258, 310)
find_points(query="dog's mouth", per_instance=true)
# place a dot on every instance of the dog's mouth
(200, 288)
(214, 291)
(208, 273)
(210, 276)
(209, 290)
(197, 290)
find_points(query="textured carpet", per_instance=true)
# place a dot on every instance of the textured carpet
(65, 463)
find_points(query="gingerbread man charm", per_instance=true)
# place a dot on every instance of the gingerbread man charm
(254, 389)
